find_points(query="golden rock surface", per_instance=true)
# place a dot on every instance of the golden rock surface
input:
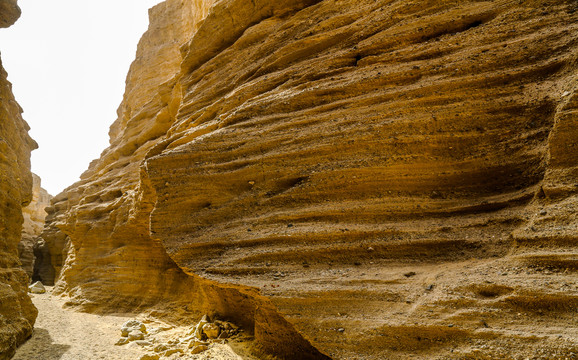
(9, 12)
(17, 313)
(346, 179)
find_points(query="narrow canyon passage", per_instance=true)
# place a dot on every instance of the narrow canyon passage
(321, 179)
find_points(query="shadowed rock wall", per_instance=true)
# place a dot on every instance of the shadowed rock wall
(17, 314)
(34, 215)
(391, 178)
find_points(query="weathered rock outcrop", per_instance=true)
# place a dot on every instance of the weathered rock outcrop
(34, 216)
(17, 314)
(9, 12)
(373, 179)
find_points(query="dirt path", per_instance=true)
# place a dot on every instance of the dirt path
(63, 334)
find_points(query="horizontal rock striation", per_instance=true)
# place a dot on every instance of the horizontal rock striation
(372, 179)
(17, 314)
(101, 221)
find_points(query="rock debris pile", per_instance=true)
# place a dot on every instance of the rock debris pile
(198, 339)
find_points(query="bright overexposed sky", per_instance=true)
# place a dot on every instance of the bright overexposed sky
(67, 61)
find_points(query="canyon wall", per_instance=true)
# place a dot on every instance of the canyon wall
(32, 227)
(345, 179)
(17, 314)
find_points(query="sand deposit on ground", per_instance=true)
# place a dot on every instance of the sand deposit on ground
(64, 334)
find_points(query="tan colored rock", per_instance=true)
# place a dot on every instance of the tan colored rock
(150, 357)
(132, 325)
(199, 349)
(9, 12)
(212, 331)
(171, 352)
(135, 335)
(148, 97)
(37, 288)
(17, 314)
(122, 341)
(34, 215)
(297, 159)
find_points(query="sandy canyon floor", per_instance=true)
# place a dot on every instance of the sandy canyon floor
(61, 333)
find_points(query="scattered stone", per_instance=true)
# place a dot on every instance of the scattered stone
(229, 328)
(143, 343)
(122, 341)
(37, 288)
(341, 330)
(132, 325)
(135, 335)
(212, 331)
(196, 342)
(206, 332)
(197, 331)
(150, 357)
(409, 274)
(430, 287)
(199, 349)
(160, 348)
(172, 352)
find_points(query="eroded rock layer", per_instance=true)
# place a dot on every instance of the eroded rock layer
(32, 227)
(17, 314)
(375, 179)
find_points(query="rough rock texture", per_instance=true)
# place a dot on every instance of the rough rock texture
(104, 214)
(9, 12)
(372, 179)
(17, 314)
(34, 215)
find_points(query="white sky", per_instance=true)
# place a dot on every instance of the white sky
(67, 61)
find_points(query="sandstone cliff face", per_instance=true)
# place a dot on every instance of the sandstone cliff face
(372, 179)
(34, 216)
(17, 314)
